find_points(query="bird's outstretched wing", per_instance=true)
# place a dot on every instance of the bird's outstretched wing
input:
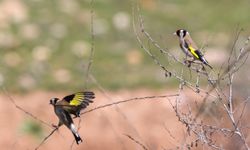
(80, 99)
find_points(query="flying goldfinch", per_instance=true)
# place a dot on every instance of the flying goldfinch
(71, 104)
(189, 47)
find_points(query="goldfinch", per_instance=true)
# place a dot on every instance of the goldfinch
(71, 104)
(189, 47)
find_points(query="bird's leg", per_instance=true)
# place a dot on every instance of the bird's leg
(54, 126)
(187, 62)
(76, 115)
(57, 126)
(203, 68)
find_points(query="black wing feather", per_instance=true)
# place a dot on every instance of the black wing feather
(69, 98)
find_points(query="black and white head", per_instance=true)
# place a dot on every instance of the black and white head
(181, 33)
(53, 101)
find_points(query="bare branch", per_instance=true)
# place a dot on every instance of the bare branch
(129, 100)
(92, 44)
(137, 142)
(46, 138)
(22, 109)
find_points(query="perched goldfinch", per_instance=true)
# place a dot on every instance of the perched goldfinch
(71, 104)
(189, 47)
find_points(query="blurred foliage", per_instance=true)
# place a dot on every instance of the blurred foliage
(45, 44)
(32, 128)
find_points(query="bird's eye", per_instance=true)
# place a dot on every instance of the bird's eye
(53, 100)
(184, 33)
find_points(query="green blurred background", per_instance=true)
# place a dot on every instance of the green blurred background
(45, 44)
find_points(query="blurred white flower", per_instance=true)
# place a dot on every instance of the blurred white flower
(12, 59)
(83, 16)
(12, 10)
(26, 81)
(62, 75)
(69, 6)
(134, 57)
(41, 53)
(81, 48)
(121, 20)
(52, 43)
(7, 40)
(30, 31)
(58, 30)
(38, 68)
(148, 4)
(101, 26)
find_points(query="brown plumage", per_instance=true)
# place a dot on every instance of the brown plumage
(189, 47)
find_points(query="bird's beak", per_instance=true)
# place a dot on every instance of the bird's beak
(174, 33)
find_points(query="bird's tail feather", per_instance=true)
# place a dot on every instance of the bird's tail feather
(77, 138)
(204, 61)
(209, 66)
(76, 135)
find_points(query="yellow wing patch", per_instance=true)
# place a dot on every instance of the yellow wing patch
(77, 99)
(192, 50)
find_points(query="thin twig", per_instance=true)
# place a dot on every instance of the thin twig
(92, 44)
(110, 98)
(136, 141)
(129, 100)
(22, 109)
(46, 138)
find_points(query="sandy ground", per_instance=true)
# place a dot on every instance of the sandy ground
(103, 129)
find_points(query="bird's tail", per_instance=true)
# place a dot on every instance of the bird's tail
(76, 135)
(209, 66)
(77, 138)
(204, 61)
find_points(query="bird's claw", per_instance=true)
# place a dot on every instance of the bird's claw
(188, 63)
(54, 126)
